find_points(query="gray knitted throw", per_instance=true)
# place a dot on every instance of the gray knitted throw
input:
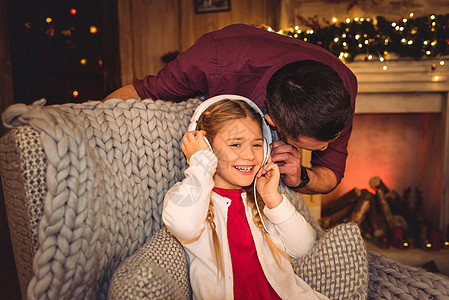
(99, 158)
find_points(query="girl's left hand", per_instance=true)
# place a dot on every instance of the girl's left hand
(268, 183)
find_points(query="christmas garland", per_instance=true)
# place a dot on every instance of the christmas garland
(426, 36)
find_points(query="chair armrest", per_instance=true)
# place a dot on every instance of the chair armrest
(23, 174)
(158, 270)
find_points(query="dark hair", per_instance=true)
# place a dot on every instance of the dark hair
(308, 98)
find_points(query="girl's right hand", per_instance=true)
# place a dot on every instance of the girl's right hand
(192, 142)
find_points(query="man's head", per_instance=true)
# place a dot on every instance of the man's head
(307, 99)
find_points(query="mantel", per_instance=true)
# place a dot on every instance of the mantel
(405, 86)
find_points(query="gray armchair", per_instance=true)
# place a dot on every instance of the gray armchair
(84, 186)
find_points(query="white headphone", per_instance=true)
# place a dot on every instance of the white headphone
(266, 132)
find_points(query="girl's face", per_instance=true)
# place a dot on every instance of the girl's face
(238, 146)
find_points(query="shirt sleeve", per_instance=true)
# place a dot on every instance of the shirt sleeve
(187, 202)
(186, 76)
(295, 232)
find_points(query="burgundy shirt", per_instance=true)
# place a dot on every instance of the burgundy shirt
(248, 276)
(240, 59)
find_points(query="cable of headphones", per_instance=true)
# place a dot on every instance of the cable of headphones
(257, 206)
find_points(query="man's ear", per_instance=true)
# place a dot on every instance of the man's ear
(269, 120)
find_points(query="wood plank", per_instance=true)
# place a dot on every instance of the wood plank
(444, 209)
(400, 103)
(6, 85)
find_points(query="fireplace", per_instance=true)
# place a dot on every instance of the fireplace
(401, 132)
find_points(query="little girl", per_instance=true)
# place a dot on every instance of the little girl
(236, 250)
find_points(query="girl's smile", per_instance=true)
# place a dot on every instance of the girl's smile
(238, 146)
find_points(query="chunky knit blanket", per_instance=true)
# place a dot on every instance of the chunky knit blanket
(109, 165)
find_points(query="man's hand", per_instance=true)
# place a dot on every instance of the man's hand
(288, 158)
(192, 142)
(126, 92)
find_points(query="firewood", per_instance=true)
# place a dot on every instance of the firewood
(376, 221)
(377, 184)
(362, 207)
(385, 208)
(340, 215)
(366, 229)
(350, 198)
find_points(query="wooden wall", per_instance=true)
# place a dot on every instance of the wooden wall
(149, 29)
(6, 88)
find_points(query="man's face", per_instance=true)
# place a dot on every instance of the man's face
(302, 142)
(307, 143)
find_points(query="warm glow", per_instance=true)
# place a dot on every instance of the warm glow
(334, 20)
(75, 94)
(384, 68)
(73, 11)
(411, 15)
(48, 20)
(93, 29)
(83, 61)
(442, 62)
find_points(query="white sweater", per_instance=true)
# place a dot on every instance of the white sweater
(184, 214)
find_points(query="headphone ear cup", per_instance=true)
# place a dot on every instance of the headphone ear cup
(266, 151)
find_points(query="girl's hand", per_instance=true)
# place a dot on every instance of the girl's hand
(192, 142)
(268, 183)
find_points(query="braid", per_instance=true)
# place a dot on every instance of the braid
(276, 251)
(215, 241)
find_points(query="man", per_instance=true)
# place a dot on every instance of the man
(307, 93)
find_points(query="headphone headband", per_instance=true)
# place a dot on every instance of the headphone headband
(203, 106)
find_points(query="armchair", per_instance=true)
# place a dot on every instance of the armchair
(84, 186)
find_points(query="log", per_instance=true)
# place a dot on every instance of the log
(350, 198)
(383, 203)
(377, 184)
(362, 207)
(375, 219)
(340, 215)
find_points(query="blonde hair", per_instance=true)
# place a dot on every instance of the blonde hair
(212, 121)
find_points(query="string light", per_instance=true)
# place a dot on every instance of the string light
(93, 29)
(73, 11)
(83, 61)
(75, 94)
(48, 20)
(442, 63)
